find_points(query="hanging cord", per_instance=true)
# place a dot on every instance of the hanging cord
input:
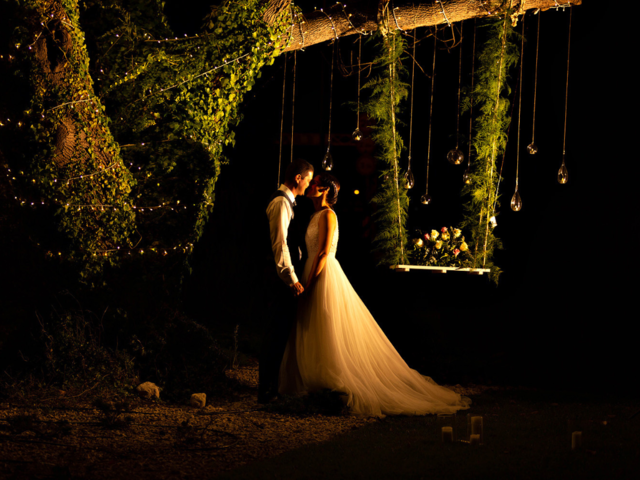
(284, 83)
(519, 107)
(504, 154)
(392, 72)
(459, 84)
(359, 66)
(566, 92)
(413, 69)
(493, 153)
(333, 54)
(433, 78)
(535, 85)
(473, 68)
(293, 101)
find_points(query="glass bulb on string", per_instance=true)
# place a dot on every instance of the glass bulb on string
(563, 173)
(466, 177)
(327, 161)
(516, 201)
(532, 148)
(455, 156)
(409, 180)
(425, 199)
(357, 135)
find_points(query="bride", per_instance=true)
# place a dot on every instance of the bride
(336, 344)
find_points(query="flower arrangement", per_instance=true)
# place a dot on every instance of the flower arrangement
(446, 248)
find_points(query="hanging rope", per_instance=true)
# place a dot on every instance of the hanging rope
(459, 84)
(284, 83)
(395, 153)
(562, 173)
(357, 134)
(293, 101)
(466, 176)
(491, 209)
(532, 147)
(333, 60)
(426, 199)
(327, 162)
(413, 70)
(455, 156)
(516, 202)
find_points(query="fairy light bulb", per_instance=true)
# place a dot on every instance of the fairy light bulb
(563, 173)
(426, 199)
(455, 156)
(466, 177)
(327, 161)
(532, 148)
(357, 135)
(516, 201)
(409, 179)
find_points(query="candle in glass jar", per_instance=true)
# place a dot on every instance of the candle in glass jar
(576, 440)
(447, 434)
(476, 426)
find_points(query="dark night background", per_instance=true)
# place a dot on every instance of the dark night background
(562, 314)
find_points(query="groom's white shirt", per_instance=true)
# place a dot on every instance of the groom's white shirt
(280, 214)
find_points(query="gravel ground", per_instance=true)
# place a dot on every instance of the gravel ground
(72, 438)
(68, 438)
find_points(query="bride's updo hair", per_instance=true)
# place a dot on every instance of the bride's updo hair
(328, 180)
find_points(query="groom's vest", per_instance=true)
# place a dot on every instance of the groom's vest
(277, 193)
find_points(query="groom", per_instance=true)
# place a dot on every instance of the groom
(282, 284)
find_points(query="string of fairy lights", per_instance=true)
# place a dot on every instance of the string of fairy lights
(297, 20)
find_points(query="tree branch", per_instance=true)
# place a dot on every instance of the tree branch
(365, 16)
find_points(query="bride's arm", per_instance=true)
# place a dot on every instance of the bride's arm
(326, 228)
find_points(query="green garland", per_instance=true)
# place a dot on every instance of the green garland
(500, 52)
(392, 201)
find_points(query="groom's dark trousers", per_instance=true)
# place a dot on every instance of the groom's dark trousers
(280, 312)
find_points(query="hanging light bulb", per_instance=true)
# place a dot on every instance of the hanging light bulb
(357, 135)
(563, 173)
(466, 177)
(493, 221)
(426, 199)
(455, 156)
(532, 148)
(327, 161)
(409, 180)
(516, 201)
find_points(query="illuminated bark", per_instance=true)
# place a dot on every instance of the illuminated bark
(368, 16)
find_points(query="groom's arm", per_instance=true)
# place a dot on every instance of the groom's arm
(279, 219)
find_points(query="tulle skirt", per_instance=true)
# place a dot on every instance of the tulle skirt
(336, 344)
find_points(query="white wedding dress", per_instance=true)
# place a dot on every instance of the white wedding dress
(336, 344)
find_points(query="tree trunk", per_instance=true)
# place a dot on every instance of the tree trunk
(366, 17)
(78, 163)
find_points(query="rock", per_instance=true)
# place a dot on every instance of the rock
(148, 390)
(198, 400)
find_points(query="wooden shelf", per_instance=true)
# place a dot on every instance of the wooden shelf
(470, 271)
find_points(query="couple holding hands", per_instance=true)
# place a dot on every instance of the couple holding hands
(320, 334)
